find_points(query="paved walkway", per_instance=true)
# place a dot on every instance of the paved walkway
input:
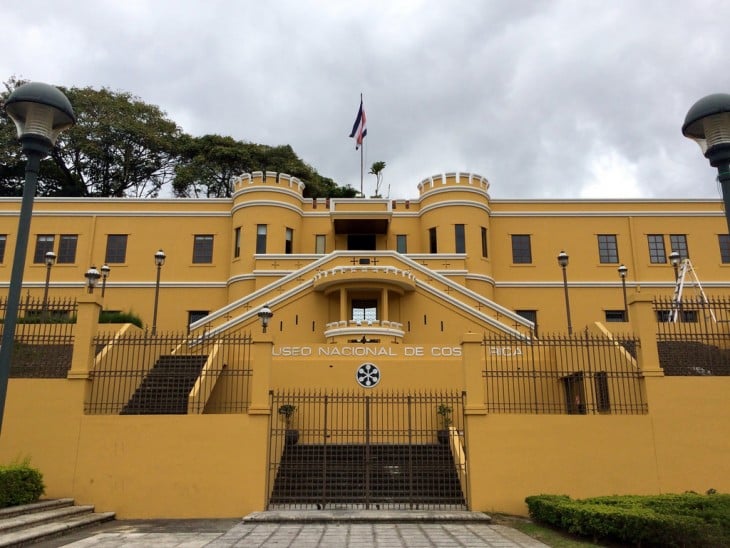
(308, 530)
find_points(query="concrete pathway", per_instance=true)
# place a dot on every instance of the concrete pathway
(309, 529)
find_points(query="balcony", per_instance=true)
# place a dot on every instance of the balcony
(364, 331)
(385, 276)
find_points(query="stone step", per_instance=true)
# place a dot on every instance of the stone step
(37, 518)
(39, 506)
(30, 523)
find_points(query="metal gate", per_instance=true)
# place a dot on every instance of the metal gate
(376, 451)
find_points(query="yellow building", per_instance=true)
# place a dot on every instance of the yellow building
(392, 320)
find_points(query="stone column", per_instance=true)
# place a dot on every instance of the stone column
(384, 305)
(343, 305)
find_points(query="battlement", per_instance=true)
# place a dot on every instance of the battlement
(270, 180)
(455, 180)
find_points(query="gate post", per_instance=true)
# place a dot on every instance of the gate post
(471, 356)
(87, 323)
(261, 350)
(643, 320)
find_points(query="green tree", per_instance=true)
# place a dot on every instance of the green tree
(209, 165)
(120, 146)
(377, 170)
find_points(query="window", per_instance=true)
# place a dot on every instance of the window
(432, 243)
(116, 248)
(260, 238)
(575, 394)
(657, 253)
(529, 315)
(3, 241)
(195, 315)
(67, 248)
(607, 249)
(679, 244)
(43, 244)
(289, 241)
(364, 310)
(320, 241)
(459, 239)
(723, 240)
(401, 243)
(615, 315)
(663, 316)
(689, 316)
(521, 249)
(603, 402)
(484, 243)
(203, 249)
(237, 242)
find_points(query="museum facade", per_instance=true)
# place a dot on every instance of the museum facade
(504, 338)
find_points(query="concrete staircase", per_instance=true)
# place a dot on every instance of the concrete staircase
(379, 475)
(29, 523)
(165, 389)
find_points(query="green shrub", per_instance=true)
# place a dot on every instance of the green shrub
(20, 484)
(110, 316)
(662, 520)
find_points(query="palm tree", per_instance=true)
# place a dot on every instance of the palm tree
(377, 170)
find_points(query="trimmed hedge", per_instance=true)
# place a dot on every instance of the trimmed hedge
(663, 520)
(20, 484)
(107, 316)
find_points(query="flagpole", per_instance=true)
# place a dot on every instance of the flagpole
(359, 131)
(362, 147)
(361, 169)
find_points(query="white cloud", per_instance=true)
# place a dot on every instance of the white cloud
(520, 92)
(612, 176)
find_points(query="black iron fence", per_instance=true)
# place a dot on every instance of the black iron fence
(44, 336)
(367, 450)
(142, 374)
(578, 374)
(693, 336)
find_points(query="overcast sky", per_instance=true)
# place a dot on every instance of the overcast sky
(546, 99)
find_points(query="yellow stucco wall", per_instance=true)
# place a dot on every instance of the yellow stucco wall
(681, 445)
(215, 465)
(188, 466)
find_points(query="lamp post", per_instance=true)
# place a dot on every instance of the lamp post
(708, 124)
(265, 314)
(159, 261)
(622, 272)
(92, 278)
(105, 270)
(50, 261)
(40, 112)
(674, 259)
(563, 262)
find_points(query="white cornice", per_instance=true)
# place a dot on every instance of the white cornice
(264, 188)
(624, 214)
(455, 203)
(266, 203)
(102, 213)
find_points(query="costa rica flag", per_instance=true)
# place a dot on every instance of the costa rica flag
(359, 129)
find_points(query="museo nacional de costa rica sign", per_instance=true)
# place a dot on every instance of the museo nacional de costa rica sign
(366, 351)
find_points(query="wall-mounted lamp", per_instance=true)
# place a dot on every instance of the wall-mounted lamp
(265, 314)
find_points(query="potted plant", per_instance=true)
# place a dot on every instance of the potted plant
(291, 436)
(444, 413)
